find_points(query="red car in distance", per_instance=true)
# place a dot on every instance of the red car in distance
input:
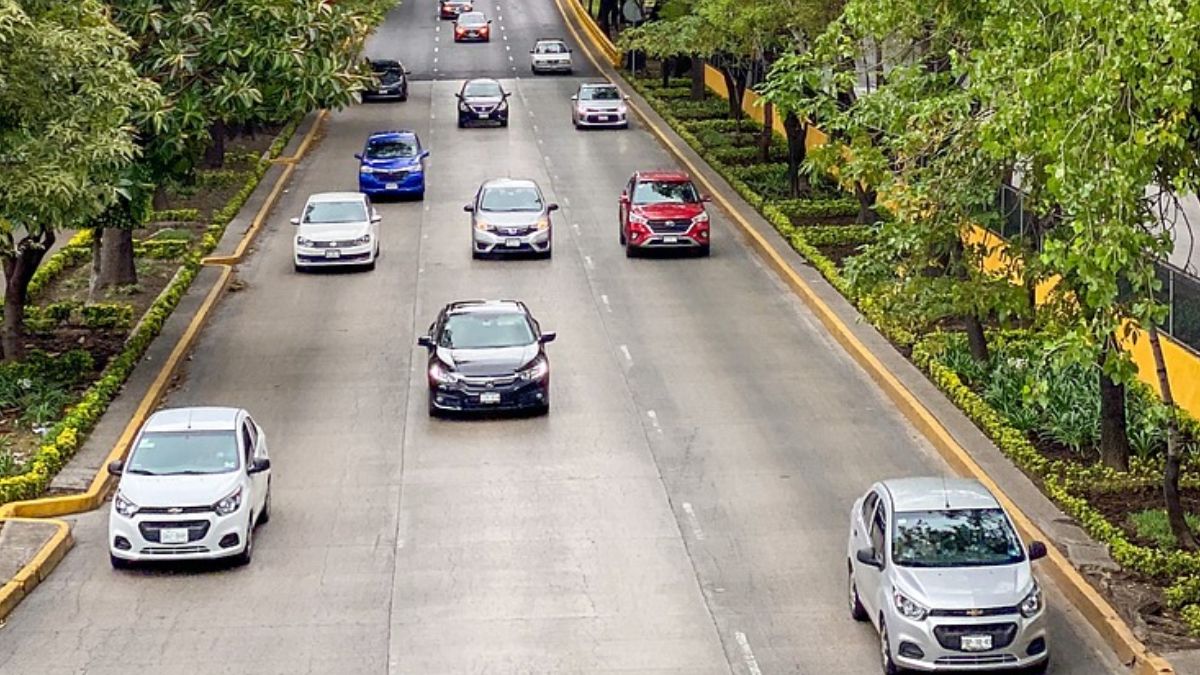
(663, 210)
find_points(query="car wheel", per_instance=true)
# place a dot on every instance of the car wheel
(433, 409)
(1039, 669)
(704, 250)
(504, 122)
(857, 611)
(476, 253)
(265, 516)
(247, 553)
(621, 236)
(119, 563)
(461, 123)
(631, 251)
(370, 267)
(297, 268)
(542, 410)
(885, 652)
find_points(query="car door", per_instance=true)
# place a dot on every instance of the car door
(258, 486)
(372, 218)
(623, 209)
(869, 578)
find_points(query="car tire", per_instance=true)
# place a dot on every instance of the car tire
(704, 251)
(542, 410)
(434, 412)
(461, 123)
(631, 251)
(247, 553)
(621, 235)
(504, 122)
(265, 516)
(476, 254)
(119, 563)
(857, 611)
(404, 97)
(298, 268)
(887, 664)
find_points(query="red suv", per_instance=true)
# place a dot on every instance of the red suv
(662, 209)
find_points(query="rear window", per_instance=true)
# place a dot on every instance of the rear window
(551, 48)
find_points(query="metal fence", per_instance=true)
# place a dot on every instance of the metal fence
(1180, 291)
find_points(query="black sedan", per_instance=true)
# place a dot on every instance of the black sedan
(391, 80)
(487, 355)
(482, 100)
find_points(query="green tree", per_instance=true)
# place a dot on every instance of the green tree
(69, 101)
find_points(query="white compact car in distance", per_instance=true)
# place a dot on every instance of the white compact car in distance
(196, 483)
(550, 55)
(336, 230)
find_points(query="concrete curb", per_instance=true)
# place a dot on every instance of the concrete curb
(1098, 612)
(48, 557)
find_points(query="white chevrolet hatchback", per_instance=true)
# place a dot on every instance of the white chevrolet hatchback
(196, 483)
(937, 566)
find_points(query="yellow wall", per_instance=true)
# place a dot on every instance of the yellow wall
(716, 82)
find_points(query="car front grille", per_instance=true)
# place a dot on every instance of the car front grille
(678, 225)
(174, 510)
(519, 231)
(477, 384)
(976, 660)
(333, 244)
(174, 550)
(950, 636)
(197, 529)
(973, 613)
(483, 108)
(391, 175)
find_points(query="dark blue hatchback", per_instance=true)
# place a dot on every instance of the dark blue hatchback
(392, 163)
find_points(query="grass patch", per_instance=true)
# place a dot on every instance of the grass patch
(1152, 527)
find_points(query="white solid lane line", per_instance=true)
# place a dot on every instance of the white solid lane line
(693, 521)
(747, 654)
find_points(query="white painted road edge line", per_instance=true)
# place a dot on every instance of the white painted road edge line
(604, 299)
(588, 259)
(625, 351)
(654, 420)
(747, 653)
(693, 521)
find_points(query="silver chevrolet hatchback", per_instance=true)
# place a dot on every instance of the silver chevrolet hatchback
(937, 566)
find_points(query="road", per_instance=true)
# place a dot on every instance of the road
(682, 510)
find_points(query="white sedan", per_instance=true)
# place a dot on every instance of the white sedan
(197, 482)
(550, 56)
(337, 229)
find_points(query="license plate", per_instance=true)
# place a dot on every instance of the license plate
(670, 240)
(392, 186)
(333, 255)
(173, 536)
(512, 243)
(489, 397)
(605, 118)
(976, 643)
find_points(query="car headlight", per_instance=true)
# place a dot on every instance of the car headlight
(702, 218)
(302, 241)
(365, 239)
(503, 105)
(462, 105)
(536, 370)
(543, 223)
(908, 608)
(123, 506)
(621, 109)
(232, 502)
(636, 217)
(1032, 604)
(366, 169)
(439, 373)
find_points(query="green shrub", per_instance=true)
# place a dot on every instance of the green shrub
(839, 235)
(162, 249)
(722, 126)
(800, 210)
(217, 178)
(173, 216)
(709, 108)
(106, 315)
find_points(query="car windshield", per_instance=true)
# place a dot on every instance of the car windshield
(389, 75)
(472, 19)
(483, 89)
(184, 452)
(335, 212)
(392, 148)
(599, 94)
(510, 199)
(955, 538)
(550, 48)
(665, 192)
(482, 330)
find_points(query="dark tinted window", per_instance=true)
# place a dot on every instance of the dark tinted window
(599, 94)
(483, 89)
(486, 330)
(392, 148)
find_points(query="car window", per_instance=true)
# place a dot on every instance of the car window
(472, 19)
(955, 538)
(392, 148)
(550, 48)
(665, 192)
(483, 330)
(600, 94)
(247, 441)
(510, 199)
(335, 212)
(184, 452)
(878, 530)
(483, 89)
(868, 506)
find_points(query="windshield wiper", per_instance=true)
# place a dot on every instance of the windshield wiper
(142, 472)
(191, 472)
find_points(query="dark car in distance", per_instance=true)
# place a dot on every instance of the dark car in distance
(482, 100)
(391, 81)
(487, 355)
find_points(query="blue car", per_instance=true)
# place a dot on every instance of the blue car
(392, 163)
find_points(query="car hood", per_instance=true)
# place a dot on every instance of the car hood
(397, 163)
(332, 231)
(510, 218)
(669, 211)
(601, 105)
(482, 100)
(488, 362)
(966, 587)
(178, 490)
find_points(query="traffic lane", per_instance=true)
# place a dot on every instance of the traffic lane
(406, 34)
(322, 364)
(768, 430)
(534, 544)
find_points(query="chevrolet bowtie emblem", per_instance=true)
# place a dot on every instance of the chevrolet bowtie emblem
(174, 509)
(974, 612)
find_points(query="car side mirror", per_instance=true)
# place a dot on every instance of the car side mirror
(424, 154)
(116, 467)
(469, 208)
(626, 97)
(1037, 550)
(867, 556)
(358, 155)
(706, 198)
(259, 465)
(530, 51)
(458, 94)
(574, 98)
(375, 217)
(425, 341)
(549, 336)
(295, 221)
(624, 199)
(506, 94)
(552, 206)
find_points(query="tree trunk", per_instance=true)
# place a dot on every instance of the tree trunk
(214, 154)
(698, 89)
(976, 338)
(1114, 430)
(797, 141)
(768, 131)
(18, 272)
(97, 256)
(734, 94)
(866, 205)
(1175, 514)
(159, 200)
(116, 266)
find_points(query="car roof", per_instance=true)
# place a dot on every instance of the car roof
(663, 175)
(471, 306)
(482, 79)
(472, 15)
(392, 133)
(510, 182)
(935, 493)
(384, 63)
(335, 197)
(597, 85)
(549, 39)
(200, 418)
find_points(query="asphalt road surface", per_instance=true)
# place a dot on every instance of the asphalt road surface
(683, 509)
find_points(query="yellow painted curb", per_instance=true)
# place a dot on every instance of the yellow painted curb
(1101, 615)
(37, 569)
(12, 592)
